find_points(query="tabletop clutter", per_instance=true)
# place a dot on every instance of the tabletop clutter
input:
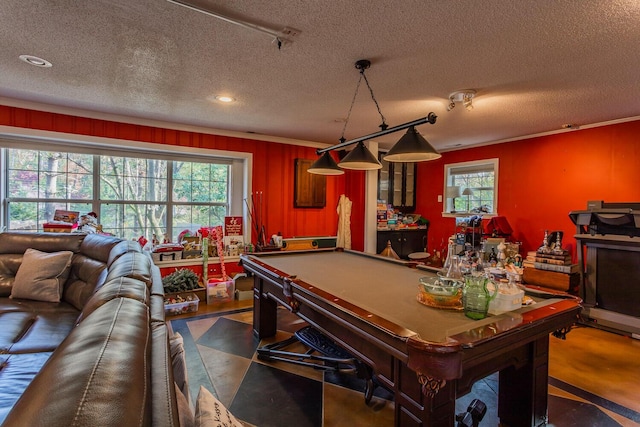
(477, 289)
(65, 221)
(180, 285)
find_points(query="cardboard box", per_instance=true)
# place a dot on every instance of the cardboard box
(242, 282)
(191, 254)
(70, 217)
(243, 286)
(243, 295)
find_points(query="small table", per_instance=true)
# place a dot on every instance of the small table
(428, 356)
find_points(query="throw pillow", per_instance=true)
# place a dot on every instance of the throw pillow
(184, 410)
(42, 275)
(210, 412)
(179, 364)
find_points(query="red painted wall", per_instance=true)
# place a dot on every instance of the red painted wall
(542, 179)
(273, 164)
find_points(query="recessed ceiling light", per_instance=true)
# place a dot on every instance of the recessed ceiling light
(224, 98)
(34, 60)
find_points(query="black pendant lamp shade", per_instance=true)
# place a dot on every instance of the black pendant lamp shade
(325, 165)
(360, 158)
(412, 147)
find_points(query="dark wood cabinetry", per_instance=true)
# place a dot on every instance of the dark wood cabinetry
(310, 189)
(397, 185)
(403, 242)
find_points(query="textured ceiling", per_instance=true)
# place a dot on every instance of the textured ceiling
(536, 65)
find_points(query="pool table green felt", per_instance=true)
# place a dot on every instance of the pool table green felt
(388, 290)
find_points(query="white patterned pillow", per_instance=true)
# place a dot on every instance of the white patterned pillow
(210, 412)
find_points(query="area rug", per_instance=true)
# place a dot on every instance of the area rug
(221, 349)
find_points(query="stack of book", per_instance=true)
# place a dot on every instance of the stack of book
(382, 215)
(551, 270)
(551, 262)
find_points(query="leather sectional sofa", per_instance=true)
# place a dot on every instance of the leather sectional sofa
(98, 357)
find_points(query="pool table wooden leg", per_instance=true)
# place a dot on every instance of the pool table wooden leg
(265, 316)
(522, 397)
(415, 409)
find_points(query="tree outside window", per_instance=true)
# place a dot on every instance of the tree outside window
(134, 196)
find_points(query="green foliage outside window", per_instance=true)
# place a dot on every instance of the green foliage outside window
(133, 196)
(481, 185)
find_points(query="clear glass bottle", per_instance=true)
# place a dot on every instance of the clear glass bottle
(454, 272)
(450, 255)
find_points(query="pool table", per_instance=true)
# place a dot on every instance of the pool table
(428, 356)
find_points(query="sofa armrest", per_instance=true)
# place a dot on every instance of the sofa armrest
(163, 391)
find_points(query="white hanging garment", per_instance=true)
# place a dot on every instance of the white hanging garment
(344, 222)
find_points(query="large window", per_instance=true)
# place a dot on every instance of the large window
(471, 187)
(39, 182)
(133, 195)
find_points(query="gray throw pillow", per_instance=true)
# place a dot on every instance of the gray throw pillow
(42, 275)
(179, 364)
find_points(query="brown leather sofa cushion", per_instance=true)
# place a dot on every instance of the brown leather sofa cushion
(98, 246)
(156, 308)
(122, 248)
(17, 242)
(121, 287)
(18, 370)
(86, 378)
(133, 264)
(30, 326)
(9, 264)
(87, 275)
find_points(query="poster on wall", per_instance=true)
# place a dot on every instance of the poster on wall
(233, 235)
(233, 226)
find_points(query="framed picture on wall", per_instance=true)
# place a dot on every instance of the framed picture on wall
(310, 189)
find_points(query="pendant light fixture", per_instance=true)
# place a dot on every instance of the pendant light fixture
(360, 158)
(325, 165)
(412, 147)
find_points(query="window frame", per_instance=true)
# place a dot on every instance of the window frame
(240, 163)
(469, 167)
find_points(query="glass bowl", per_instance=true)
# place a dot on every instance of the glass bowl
(440, 285)
(440, 292)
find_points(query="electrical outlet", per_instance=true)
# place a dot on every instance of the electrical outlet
(439, 198)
